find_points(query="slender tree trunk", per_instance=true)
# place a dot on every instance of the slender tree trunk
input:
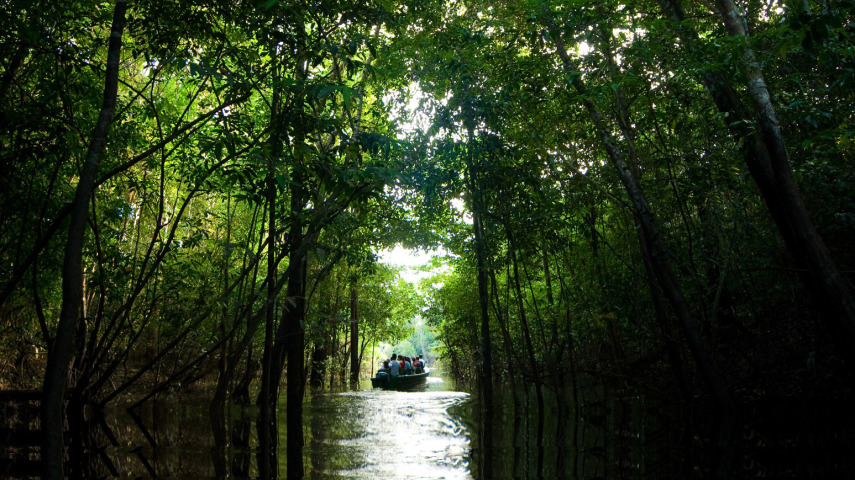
(354, 338)
(832, 292)
(562, 424)
(535, 368)
(767, 160)
(333, 349)
(267, 438)
(319, 361)
(62, 350)
(290, 341)
(320, 350)
(618, 356)
(289, 344)
(547, 278)
(507, 343)
(295, 383)
(225, 368)
(269, 391)
(486, 376)
(486, 360)
(665, 324)
(660, 255)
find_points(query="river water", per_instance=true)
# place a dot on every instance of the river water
(601, 431)
(388, 434)
(365, 434)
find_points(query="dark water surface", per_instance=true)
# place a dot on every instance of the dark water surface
(599, 431)
(366, 434)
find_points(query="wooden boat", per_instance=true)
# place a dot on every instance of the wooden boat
(415, 381)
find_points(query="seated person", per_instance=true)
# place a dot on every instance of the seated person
(394, 366)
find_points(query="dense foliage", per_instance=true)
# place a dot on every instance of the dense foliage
(648, 190)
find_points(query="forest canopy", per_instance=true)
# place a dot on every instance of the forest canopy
(196, 192)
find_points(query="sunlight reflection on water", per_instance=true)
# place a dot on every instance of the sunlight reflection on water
(388, 434)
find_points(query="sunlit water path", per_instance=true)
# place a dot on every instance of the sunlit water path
(365, 434)
(433, 434)
(388, 434)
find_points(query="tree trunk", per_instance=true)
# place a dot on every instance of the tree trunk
(225, 368)
(833, 295)
(486, 367)
(535, 368)
(269, 391)
(354, 338)
(319, 361)
(62, 351)
(665, 324)
(267, 437)
(507, 344)
(295, 382)
(659, 252)
(767, 160)
(333, 356)
(290, 336)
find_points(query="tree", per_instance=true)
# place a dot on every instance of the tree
(62, 349)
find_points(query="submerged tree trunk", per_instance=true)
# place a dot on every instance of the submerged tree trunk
(267, 437)
(354, 338)
(290, 335)
(535, 368)
(62, 350)
(486, 357)
(295, 383)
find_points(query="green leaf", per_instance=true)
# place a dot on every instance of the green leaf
(325, 90)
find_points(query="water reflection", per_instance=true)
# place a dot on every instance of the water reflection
(388, 434)
(364, 434)
(602, 433)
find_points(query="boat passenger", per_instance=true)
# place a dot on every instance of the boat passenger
(394, 366)
(408, 367)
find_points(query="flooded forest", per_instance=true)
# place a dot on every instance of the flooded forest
(635, 223)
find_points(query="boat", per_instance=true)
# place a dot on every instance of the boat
(415, 381)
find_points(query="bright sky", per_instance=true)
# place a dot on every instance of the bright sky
(410, 260)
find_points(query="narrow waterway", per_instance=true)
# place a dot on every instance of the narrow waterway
(387, 434)
(434, 434)
(365, 434)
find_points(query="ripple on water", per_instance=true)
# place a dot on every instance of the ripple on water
(382, 434)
